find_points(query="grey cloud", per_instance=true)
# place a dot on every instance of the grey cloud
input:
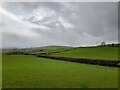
(17, 7)
(97, 19)
(92, 22)
(13, 40)
(53, 5)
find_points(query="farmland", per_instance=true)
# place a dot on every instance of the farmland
(0, 70)
(59, 44)
(105, 53)
(26, 70)
(20, 71)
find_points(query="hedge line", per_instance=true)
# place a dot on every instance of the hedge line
(110, 63)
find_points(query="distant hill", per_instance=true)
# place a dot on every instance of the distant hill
(35, 48)
(54, 47)
(50, 49)
(45, 49)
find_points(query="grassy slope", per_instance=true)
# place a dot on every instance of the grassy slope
(107, 53)
(47, 48)
(53, 50)
(30, 71)
(54, 47)
(0, 70)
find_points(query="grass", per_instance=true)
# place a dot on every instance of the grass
(48, 48)
(20, 71)
(51, 51)
(0, 70)
(105, 53)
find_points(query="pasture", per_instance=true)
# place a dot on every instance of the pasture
(105, 53)
(26, 71)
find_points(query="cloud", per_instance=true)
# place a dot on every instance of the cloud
(8, 14)
(59, 23)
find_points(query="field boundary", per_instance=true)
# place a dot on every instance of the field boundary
(110, 63)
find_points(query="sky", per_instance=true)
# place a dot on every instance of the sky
(36, 24)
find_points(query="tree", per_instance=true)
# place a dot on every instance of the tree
(102, 43)
(113, 45)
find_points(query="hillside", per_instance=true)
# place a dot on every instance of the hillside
(98, 52)
(105, 53)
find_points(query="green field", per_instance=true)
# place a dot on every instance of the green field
(0, 70)
(20, 71)
(105, 53)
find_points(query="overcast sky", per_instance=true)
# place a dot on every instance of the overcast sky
(35, 24)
